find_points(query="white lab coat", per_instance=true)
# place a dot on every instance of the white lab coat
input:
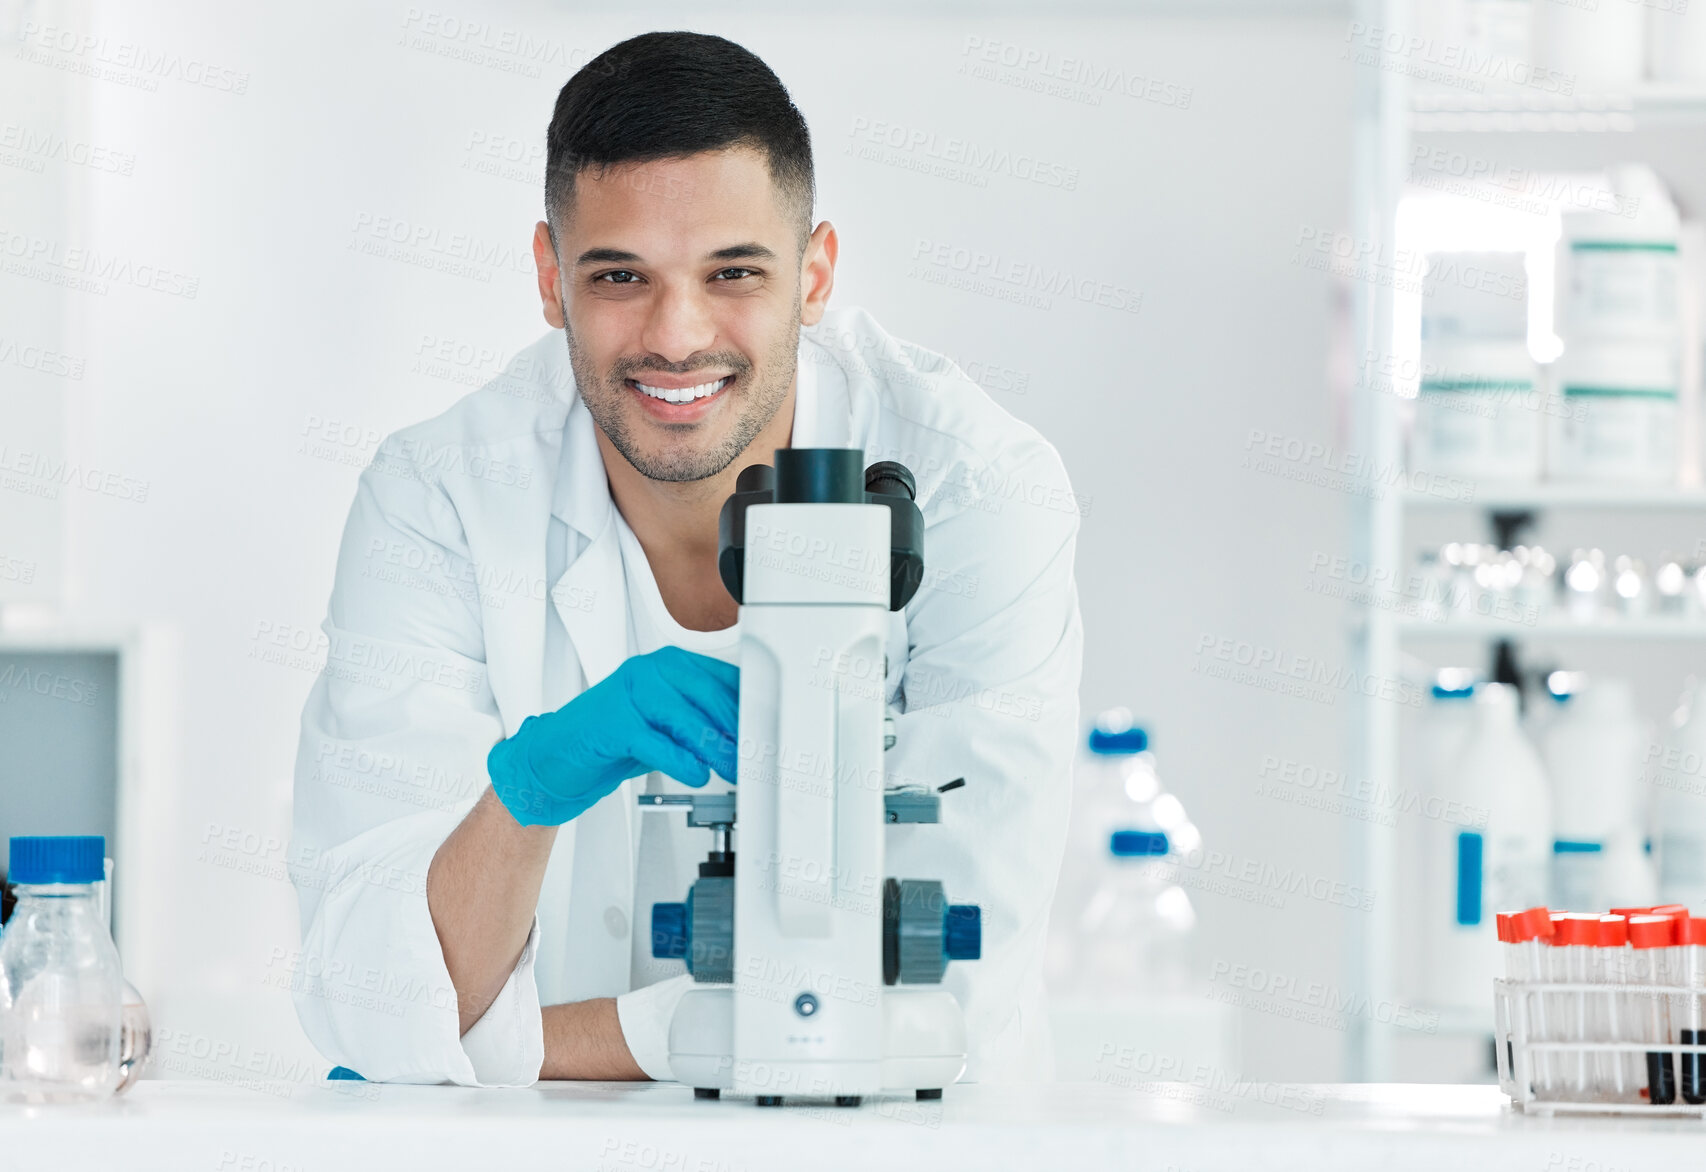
(480, 581)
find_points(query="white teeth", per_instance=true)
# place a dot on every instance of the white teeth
(684, 394)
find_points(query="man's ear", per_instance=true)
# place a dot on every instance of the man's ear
(550, 280)
(817, 273)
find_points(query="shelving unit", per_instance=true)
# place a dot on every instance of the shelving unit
(1544, 132)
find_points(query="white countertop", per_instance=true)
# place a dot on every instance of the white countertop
(645, 1127)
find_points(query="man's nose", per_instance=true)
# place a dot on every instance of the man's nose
(679, 325)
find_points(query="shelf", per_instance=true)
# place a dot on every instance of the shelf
(1553, 627)
(1528, 111)
(1568, 496)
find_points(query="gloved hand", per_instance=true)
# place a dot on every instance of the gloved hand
(671, 710)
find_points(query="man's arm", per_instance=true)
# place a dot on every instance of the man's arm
(482, 888)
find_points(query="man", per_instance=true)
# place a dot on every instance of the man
(528, 628)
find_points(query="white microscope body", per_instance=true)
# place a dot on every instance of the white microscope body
(803, 948)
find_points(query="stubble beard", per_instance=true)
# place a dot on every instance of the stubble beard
(756, 401)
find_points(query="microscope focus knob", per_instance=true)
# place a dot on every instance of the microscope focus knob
(962, 932)
(669, 931)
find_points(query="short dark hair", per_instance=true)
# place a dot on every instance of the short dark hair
(666, 95)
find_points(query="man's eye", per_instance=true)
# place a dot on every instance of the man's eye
(618, 277)
(735, 274)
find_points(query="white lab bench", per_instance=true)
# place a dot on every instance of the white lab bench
(615, 1127)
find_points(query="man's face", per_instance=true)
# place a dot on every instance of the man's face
(681, 297)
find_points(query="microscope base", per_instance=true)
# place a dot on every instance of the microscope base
(923, 1051)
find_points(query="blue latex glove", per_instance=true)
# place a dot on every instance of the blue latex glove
(672, 711)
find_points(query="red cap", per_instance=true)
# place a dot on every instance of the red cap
(1674, 910)
(1576, 928)
(1653, 931)
(1504, 923)
(1613, 931)
(1631, 911)
(1691, 931)
(1533, 924)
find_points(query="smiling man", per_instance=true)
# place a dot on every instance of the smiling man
(528, 629)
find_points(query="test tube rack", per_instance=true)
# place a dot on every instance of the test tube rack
(1520, 1057)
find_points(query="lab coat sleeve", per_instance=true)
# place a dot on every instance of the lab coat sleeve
(990, 693)
(392, 756)
(644, 1015)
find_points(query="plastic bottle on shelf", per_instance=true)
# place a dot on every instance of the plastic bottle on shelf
(1677, 773)
(1593, 751)
(1676, 39)
(1116, 788)
(1136, 928)
(1474, 402)
(1502, 863)
(61, 984)
(1599, 47)
(1619, 307)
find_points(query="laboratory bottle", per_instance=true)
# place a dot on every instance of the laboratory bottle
(61, 986)
(1114, 784)
(1677, 774)
(1499, 859)
(1446, 723)
(1593, 756)
(1136, 928)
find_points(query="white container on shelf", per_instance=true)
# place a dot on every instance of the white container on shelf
(1619, 271)
(1476, 411)
(1592, 751)
(1501, 864)
(1619, 414)
(1599, 46)
(1676, 771)
(1676, 41)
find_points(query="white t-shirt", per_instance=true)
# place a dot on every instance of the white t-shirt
(670, 851)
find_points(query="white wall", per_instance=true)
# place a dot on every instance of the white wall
(249, 409)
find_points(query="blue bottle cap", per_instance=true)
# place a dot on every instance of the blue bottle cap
(76, 858)
(1136, 844)
(1112, 744)
(1441, 692)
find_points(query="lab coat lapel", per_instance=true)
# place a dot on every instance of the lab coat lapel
(591, 599)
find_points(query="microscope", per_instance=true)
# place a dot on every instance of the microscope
(815, 974)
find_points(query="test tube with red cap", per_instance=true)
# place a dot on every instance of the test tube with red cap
(1652, 938)
(1525, 934)
(1686, 1009)
(1616, 1078)
(1575, 936)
